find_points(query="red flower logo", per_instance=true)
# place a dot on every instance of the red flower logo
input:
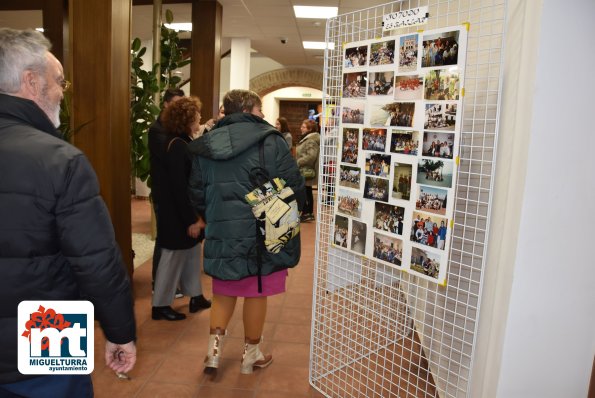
(43, 319)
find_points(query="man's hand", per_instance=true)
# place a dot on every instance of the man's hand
(195, 229)
(120, 357)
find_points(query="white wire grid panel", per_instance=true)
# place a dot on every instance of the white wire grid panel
(378, 332)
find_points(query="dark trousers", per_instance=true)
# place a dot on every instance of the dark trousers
(79, 386)
(309, 204)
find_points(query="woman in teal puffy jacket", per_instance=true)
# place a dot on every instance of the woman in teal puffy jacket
(222, 161)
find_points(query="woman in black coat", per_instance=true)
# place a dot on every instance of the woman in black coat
(178, 226)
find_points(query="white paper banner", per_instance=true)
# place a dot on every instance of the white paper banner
(400, 19)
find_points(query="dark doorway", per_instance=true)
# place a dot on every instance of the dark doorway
(295, 112)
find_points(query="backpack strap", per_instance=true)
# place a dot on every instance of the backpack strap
(260, 242)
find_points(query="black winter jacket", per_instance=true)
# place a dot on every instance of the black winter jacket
(218, 183)
(169, 175)
(56, 237)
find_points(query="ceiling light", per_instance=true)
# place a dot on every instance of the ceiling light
(39, 29)
(315, 12)
(182, 26)
(318, 45)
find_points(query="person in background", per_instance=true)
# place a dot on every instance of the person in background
(178, 226)
(221, 166)
(56, 238)
(157, 143)
(308, 150)
(283, 127)
(209, 124)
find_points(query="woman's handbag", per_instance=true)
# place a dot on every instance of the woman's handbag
(307, 172)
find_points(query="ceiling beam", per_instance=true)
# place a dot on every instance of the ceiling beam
(21, 5)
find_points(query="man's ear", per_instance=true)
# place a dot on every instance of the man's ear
(30, 84)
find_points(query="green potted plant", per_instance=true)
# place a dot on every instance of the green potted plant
(144, 85)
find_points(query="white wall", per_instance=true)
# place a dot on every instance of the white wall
(548, 340)
(270, 102)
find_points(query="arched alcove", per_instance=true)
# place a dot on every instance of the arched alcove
(287, 77)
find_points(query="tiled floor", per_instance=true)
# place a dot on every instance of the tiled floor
(170, 354)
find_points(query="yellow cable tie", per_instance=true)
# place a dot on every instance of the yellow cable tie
(442, 282)
(420, 31)
(457, 160)
(452, 223)
(467, 25)
(463, 92)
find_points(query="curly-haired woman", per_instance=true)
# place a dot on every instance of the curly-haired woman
(178, 226)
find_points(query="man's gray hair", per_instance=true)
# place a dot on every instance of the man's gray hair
(20, 50)
(237, 101)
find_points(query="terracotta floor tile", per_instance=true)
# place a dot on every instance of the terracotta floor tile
(223, 392)
(290, 354)
(299, 316)
(292, 333)
(156, 389)
(289, 379)
(183, 369)
(279, 394)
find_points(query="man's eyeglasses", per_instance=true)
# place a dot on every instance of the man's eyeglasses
(65, 84)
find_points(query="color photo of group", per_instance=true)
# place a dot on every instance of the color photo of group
(400, 107)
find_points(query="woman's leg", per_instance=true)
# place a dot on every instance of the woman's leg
(221, 311)
(255, 311)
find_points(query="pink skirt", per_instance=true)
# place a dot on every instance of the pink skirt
(248, 287)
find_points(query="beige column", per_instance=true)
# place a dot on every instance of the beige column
(239, 69)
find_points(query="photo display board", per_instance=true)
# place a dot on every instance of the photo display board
(399, 141)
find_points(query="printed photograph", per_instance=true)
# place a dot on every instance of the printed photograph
(353, 113)
(349, 176)
(440, 49)
(408, 88)
(387, 248)
(382, 53)
(341, 231)
(374, 140)
(440, 117)
(425, 262)
(442, 84)
(404, 142)
(408, 53)
(428, 230)
(389, 218)
(354, 84)
(358, 236)
(438, 145)
(350, 145)
(376, 189)
(349, 203)
(402, 176)
(437, 173)
(377, 165)
(380, 83)
(356, 56)
(392, 114)
(431, 200)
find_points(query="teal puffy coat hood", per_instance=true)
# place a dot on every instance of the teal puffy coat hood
(222, 161)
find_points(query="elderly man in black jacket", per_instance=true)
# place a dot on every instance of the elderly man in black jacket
(56, 238)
